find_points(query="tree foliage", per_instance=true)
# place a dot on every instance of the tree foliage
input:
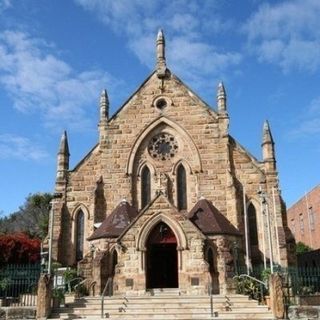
(19, 248)
(302, 248)
(31, 218)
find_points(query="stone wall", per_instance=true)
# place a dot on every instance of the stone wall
(304, 312)
(17, 313)
(217, 167)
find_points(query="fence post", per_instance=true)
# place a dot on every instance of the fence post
(44, 296)
(276, 295)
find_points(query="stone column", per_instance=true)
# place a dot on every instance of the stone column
(276, 296)
(44, 296)
(225, 266)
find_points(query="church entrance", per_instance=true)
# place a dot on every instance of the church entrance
(162, 258)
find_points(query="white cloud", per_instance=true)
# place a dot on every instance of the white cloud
(40, 82)
(309, 125)
(17, 147)
(4, 4)
(187, 24)
(287, 34)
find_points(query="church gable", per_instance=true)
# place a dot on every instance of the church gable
(163, 125)
(157, 97)
(159, 154)
(159, 210)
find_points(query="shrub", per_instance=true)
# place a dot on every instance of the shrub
(18, 248)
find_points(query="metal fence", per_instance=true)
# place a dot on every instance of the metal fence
(303, 281)
(299, 280)
(18, 284)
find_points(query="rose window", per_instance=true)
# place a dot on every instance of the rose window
(163, 146)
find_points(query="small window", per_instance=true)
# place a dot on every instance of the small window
(293, 226)
(79, 235)
(311, 219)
(301, 223)
(161, 104)
(145, 186)
(182, 187)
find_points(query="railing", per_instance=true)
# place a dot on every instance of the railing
(18, 284)
(68, 283)
(253, 291)
(303, 281)
(108, 287)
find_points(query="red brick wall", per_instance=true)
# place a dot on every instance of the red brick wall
(301, 224)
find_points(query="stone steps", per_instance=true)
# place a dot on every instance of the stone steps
(165, 306)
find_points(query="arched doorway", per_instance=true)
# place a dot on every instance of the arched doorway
(162, 258)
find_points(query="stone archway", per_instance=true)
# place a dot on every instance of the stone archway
(161, 258)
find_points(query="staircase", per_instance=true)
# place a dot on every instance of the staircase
(166, 306)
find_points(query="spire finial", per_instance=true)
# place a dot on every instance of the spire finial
(64, 146)
(268, 152)
(104, 105)
(267, 136)
(62, 162)
(221, 98)
(161, 58)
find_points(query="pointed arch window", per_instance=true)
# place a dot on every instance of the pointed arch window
(181, 187)
(253, 230)
(145, 186)
(79, 235)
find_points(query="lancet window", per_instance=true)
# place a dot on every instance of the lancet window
(253, 230)
(181, 188)
(79, 235)
(145, 186)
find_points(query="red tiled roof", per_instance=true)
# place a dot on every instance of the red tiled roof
(209, 220)
(116, 222)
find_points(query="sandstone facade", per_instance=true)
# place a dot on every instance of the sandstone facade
(159, 155)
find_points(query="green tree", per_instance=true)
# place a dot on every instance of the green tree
(31, 218)
(302, 248)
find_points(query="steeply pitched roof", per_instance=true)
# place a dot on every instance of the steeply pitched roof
(209, 220)
(116, 222)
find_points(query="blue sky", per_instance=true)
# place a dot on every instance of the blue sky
(57, 56)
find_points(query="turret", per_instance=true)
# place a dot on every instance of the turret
(104, 117)
(221, 98)
(222, 110)
(267, 145)
(63, 159)
(104, 106)
(161, 58)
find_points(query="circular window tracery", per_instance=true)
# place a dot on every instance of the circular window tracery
(163, 146)
(161, 104)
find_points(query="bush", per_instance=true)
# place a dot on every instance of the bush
(18, 248)
(302, 248)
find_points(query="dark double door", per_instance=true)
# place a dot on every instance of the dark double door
(162, 259)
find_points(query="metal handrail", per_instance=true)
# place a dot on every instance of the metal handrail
(72, 280)
(109, 282)
(252, 278)
(265, 284)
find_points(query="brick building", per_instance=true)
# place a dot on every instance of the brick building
(304, 219)
(161, 200)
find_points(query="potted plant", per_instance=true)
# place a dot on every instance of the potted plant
(71, 279)
(58, 297)
(265, 275)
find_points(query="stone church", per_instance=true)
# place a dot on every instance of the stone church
(167, 198)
